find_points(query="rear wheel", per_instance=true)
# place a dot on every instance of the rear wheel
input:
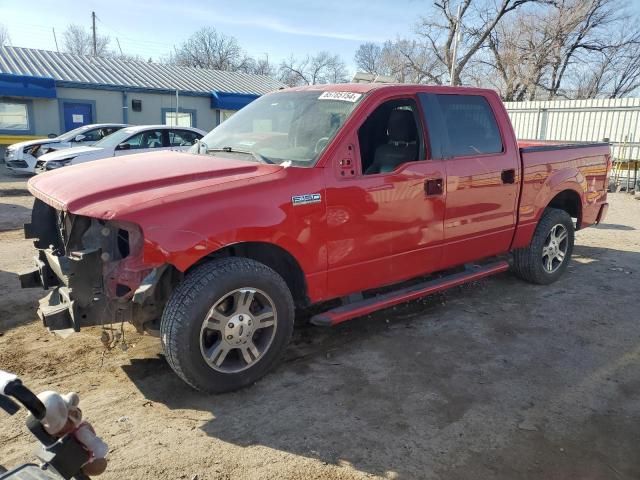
(227, 324)
(547, 256)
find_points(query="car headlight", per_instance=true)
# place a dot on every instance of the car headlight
(11, 154)
(53, 164)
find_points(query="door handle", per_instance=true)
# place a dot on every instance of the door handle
(508, 176)
(433, 187)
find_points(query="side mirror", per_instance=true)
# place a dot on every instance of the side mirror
(79, 138)
(124, 146)
(52, 135)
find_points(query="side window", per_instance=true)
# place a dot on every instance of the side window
(467, 121)
(106, 131)
(182, 138)
(391, 136)
(93, 135)
(147, 139)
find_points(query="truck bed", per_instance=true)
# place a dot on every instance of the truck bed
(547, 145)
(581, 167)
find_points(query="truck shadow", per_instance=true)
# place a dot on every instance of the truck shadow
(17, 308)
(485, 384)
(13, 216)
(613, 226)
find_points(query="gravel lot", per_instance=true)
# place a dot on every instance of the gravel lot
(499, 379)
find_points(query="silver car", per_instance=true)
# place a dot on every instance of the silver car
(22, 157)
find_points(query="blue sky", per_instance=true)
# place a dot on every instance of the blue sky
(276, 27)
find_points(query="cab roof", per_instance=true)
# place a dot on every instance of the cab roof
(405, 87)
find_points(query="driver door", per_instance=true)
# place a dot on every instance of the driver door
(385, 213)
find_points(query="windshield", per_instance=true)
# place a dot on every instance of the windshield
(71, 134)
(283, 126)
(115, 138)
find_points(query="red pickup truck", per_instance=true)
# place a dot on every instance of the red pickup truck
(355, 197)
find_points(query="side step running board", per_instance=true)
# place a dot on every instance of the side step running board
(364, 307)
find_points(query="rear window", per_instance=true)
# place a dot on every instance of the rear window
(468, 122)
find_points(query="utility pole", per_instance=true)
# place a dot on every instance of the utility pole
(55, 39)
(456, 40)
(95, 45)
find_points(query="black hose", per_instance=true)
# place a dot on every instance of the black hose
(8, 405)
(17, 390)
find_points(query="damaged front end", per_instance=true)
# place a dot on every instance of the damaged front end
(94, 271)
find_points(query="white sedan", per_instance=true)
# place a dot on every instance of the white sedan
(147, 138)
(22, 157)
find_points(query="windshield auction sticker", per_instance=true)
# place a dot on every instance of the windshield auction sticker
(344, 96)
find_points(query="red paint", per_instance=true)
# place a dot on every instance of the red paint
(367, 232)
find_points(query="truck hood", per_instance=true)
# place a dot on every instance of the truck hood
(116, 186)
(68, 152)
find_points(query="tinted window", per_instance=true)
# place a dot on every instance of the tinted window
(467, 121)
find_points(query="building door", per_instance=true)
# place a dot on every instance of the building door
(76, 114)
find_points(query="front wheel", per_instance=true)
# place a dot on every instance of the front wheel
(547, 256)
(227, 324)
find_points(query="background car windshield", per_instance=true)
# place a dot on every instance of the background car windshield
(71, 134)
(285, 126)
(116, 138)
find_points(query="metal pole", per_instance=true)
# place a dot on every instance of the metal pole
(119, 47)
(95, 44)
(456, 34)
(177, 107)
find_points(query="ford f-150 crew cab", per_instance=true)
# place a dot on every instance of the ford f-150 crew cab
(351, 197)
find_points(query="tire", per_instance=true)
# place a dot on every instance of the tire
(211, 299)
(529, 263)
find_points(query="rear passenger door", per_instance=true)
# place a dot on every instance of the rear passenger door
(482, 173)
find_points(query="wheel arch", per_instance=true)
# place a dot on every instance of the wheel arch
(570, 201)
(274, 257)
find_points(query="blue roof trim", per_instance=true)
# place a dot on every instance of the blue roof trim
(231, 101)
(124, 88)
(26, 86)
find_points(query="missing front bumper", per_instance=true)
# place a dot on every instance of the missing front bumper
(56, 311)
(77, 298)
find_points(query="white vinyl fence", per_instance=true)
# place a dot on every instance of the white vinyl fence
(613, 120)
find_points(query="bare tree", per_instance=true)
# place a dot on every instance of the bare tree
(570, 49)
(310, 70)
(615, 72)
(519, 53)
(76, 39)
(478, 18)
(4, 35)
(258, 66)
(207, 48)
(368, 58)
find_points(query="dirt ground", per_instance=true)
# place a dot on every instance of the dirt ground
(499, 379)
